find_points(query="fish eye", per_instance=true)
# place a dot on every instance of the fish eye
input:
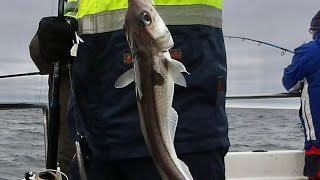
(144, 19)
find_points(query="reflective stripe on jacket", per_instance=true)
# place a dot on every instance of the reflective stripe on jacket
(98, 16)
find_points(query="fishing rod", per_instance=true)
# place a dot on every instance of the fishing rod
(50, 173)
(19, 75)
(54, 118)
(261, 42)
(230, 37)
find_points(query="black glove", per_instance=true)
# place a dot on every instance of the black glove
(55, 36)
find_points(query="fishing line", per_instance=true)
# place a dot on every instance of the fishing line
(70, 79)
(35, 125)
(53, 6)
(79, 136)
(73, 99)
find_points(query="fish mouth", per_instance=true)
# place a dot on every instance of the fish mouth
(165, 42)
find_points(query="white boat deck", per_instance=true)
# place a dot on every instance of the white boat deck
(272, 165)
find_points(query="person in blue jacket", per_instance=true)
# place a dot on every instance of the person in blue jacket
(303, 75)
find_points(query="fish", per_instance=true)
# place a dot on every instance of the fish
(155, 74)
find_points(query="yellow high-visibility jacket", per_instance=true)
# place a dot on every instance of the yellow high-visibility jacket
(98, 16)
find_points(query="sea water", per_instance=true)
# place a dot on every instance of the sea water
(22, 138)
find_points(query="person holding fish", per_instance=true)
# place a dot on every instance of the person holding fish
(302, 75)
(149, 86)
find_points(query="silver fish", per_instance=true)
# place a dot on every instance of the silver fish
(154, 74)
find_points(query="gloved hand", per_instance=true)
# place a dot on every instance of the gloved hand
(56, 36)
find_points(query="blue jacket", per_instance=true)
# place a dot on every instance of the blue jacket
(110, 115)
(304, 74)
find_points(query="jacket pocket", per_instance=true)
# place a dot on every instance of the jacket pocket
(220, 91)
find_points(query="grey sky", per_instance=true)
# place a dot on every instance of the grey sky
(19, 20)
(251, 68)
(254, 69)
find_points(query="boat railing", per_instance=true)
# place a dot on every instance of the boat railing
(45, 109)
(28, 105)
(264, 96)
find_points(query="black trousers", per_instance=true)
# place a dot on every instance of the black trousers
(203, 166)
(312, 166)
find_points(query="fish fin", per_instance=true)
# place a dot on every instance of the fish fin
(173, 122)
(186, 170)
(179, 65)
(137, 78)
(176, 75)
(125, 79)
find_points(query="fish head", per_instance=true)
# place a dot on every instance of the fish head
(145, 28)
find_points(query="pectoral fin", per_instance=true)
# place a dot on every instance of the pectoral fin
(177, 63)
(174, 71)
(179, 66)
(125, 79)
